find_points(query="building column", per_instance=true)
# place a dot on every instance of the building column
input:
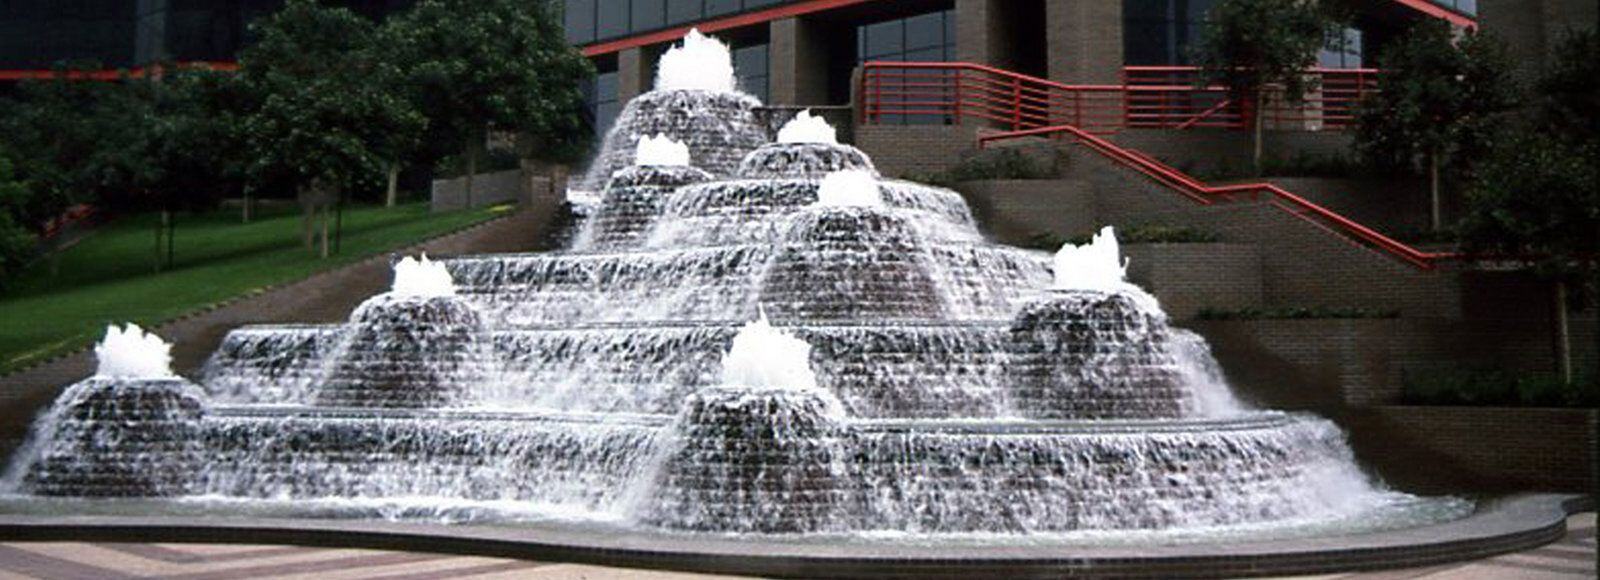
(1085, 41)
(634, 73)
(980, 34)
(797, 63)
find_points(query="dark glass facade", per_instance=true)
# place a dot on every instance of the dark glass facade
(1161, 32)
(603, 98)
(37, 34)
(928, 37)
(750, 63)
(589, 21)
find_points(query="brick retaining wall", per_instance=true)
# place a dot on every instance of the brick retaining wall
(1481, 449)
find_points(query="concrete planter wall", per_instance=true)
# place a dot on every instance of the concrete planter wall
(510, 186)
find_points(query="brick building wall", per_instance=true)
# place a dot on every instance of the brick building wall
(1014, 211)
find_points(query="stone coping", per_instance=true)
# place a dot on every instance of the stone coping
(1503, 525)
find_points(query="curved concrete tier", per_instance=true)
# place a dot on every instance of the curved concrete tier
(1505, 525)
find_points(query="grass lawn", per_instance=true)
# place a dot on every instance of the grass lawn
(109, 276)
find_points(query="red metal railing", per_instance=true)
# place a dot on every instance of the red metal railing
(1206, 194)
(960, 91)
(1148, 98)
(1172, 97)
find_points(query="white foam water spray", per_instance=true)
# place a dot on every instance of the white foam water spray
(1097, 265)
(661, 151)
(131, 353)
(700, 63)
(808, 128)
(850, 188)
(421, 278)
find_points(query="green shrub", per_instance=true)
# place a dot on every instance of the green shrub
(1008, 163)
(1139, 234)
(1495, 387)
(1294, 313)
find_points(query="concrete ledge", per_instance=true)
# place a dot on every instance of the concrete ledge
(1506, 525)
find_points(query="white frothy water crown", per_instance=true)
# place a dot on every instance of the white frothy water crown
(661, 151)
(808, 128)
(422, 279)
(849, 188)
(701, 63)
(131, 353)
(764, 357)
(1097, 265)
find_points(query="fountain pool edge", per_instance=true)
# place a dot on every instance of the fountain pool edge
(1507, 524)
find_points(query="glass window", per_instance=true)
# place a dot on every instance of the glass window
(751, 65)
(649, 14)
(925, 31)
(1161, 32)
(1342, 51)
(603, 103)
(720, 7)
(681, 11)
(580, 21)
(612, 19)
(929, 37)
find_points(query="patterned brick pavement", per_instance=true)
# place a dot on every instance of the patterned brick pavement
(1571, 558)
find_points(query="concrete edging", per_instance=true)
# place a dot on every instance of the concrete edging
(1505, 525)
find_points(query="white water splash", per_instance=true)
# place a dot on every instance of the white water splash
(661, 151)
(701, 63)
(421, 278)
(764, 357)
(849, 189)
(808, 128)
(1097, 265)
(131, 353)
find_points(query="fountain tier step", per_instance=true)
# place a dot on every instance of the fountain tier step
(965, 281)
(719, 128)
(756, 211)
(118, 437)
(757, 460)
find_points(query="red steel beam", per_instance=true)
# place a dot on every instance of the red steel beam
(106, 74)
(1437, 11)
(719, 24)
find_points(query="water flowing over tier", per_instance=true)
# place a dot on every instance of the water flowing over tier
(771, 339)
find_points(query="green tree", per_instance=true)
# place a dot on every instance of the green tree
(1260, 50)
(17, 243)
(477, 64)
(317, 127)
(1537, 198)
(52, 126)
(1441, 103)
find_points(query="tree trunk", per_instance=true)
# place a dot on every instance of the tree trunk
(161, 230)
(338, 224)
(1258, 121)
(325, 221)
(393, 195)
(1563, 334)
(1433, 190)
(472, 170)
(308, 212)
(172, 233)
(245, 209)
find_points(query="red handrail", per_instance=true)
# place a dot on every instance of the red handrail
(1149, 97)
(1207, 194)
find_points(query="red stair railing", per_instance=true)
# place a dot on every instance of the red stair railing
(1202, 193)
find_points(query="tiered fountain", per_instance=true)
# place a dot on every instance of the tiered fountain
(901, 375)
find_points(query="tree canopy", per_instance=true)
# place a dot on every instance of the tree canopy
(1250, 46)
(1443, 101)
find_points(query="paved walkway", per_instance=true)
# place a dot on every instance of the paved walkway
(1571, 558)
